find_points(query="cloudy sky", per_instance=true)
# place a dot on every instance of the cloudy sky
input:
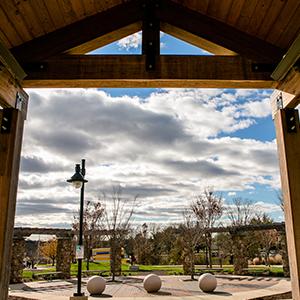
(164, 145)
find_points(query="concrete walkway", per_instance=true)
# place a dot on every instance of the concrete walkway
(173, 287)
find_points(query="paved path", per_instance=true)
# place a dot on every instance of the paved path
(229, 287)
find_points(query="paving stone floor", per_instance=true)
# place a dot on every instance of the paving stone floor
(172, 286)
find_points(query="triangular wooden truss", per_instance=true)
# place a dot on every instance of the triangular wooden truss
(56, 59)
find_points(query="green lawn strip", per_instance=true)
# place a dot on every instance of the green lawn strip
(167, 269)
(27, 274)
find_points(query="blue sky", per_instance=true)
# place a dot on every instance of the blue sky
(165, 145)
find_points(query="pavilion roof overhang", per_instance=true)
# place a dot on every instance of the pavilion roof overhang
(243, 60)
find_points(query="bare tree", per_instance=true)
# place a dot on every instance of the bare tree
(92, 223)
(117, 217)
(191, 235)
(208, 209)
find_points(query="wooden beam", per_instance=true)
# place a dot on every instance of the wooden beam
(106, 39)
(10, 152)
(291, 82)
(288, 141)
(9, 88)
(218, 32)
(11, 64)
(80, 32)
(288, 60)
(195, 40)
(129, 71)
(280, 99)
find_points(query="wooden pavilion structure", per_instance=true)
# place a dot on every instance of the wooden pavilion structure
(256, 45)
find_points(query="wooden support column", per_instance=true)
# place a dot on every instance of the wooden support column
(288, 144)
(10, 151)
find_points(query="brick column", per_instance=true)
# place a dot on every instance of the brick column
(17, 259)
(284, 253)
(240, 259)
(64, 255)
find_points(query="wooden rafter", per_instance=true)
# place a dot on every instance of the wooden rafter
(195, 40)
(217, 32)
(112, 24)
(80, 32)
(129, 71)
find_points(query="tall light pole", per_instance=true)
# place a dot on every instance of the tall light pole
(78, 182)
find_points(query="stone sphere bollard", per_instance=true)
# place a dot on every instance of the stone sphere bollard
(207, 282)
(96, 285)
(152, 283)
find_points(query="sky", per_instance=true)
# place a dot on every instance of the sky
(164, 145)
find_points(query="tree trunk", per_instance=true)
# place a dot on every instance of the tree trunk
(209, 242)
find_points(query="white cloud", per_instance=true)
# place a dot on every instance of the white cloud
(132, 41)
(258, 109)
(165, 148)
(231, 194)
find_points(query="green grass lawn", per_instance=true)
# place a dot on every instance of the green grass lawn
(164, 269)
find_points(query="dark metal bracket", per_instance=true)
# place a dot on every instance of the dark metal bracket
(291, 116)
(6, 120)
(150, 34)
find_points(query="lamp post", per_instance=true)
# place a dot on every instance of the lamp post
(78, 182)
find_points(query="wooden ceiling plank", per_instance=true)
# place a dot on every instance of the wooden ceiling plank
(246, 14)
(234, 11)
(79, 32)
(31, 19)
(66, 8)
(195, 40)
(55, 13)
(199, 5)
(14, 14)
(41, 11)
(223, 8)
(282, 20)
(261, 9)
(78, 8)
(271, 17)
(217, 32)
(213, 8)
(10, 30)
(291, 32)
(104, 4)
(89, 7)
(129, 70)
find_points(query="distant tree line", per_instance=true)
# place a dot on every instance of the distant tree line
(188, 243)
